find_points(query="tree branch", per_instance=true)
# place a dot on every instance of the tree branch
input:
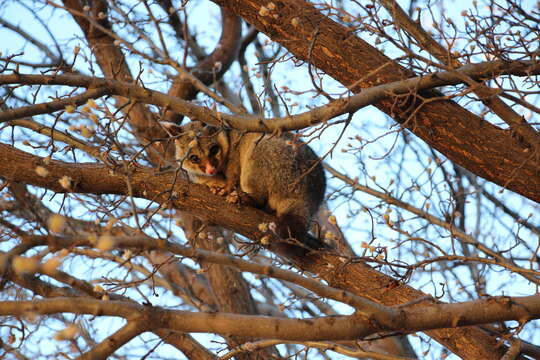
(410, 318)
(484, 70)
(108, 346)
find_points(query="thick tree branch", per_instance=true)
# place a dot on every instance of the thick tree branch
(410, 319)
(324, 113)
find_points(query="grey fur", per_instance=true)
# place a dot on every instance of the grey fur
(278, 173)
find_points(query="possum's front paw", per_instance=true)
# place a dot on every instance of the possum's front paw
(218, 190)
(241, 198)
(233, 197)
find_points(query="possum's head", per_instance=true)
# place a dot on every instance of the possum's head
(201, 150)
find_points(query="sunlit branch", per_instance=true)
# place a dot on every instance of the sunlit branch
(409, 319)
(146, 243)
(113, 342)
(340, 349)
(294, 122)
(50, 107)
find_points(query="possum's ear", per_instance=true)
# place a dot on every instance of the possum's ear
(171, 128)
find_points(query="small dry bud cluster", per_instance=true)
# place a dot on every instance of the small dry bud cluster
(266, 227)
(387, 220)
(41, 171)
(332, 220)
(105, 295)
(263, 11)
(86, 131)
(91, 103)
(263, 227)
(105, 243)
(65, 182)
(29, 265)
(268, 10)
(373, 249)
(69, 333)
(70, 109)
(265, 240)
(56, 223)
(329, 235)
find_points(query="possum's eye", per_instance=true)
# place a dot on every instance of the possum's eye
(214, 150)
(194, 159)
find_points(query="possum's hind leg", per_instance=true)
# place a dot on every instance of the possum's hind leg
(293, 223)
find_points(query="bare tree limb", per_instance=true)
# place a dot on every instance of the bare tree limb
(107, 347)
(410, 319)
(294, 122)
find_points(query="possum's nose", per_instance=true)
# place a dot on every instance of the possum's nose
(210, 169)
